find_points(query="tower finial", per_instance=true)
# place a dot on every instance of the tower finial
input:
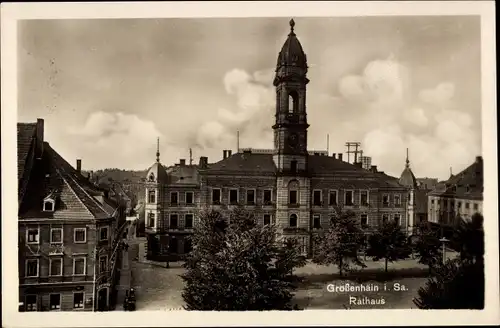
(292, 25)
(407, 159)
(158, 150)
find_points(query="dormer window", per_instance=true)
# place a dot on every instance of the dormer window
(49, 204)
(151, 177)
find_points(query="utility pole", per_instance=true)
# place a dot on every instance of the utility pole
(356, 145)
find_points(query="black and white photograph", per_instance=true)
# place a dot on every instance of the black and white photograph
(279, 161)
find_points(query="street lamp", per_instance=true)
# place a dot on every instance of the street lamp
(444, 241)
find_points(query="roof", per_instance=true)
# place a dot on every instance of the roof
(291, 53)
(158, 172)
(74, 195)
(25, 138)
(408, 179)
(248, 163)
(245, 163)
(467, 184)
(183, 175)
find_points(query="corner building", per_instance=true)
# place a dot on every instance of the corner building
(288, 186)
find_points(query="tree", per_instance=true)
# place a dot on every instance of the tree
(236, 264)
(427, 246)
(341, 243)
(457, 284)
(388, 243)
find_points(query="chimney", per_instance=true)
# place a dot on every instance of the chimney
(373, 168)
(183, 162)
(358, 164)
(203, 162)
(333, 155)
(224, 154)
(79, 165)
(229, 153)
(340, 156)
(479, 159)
(39, 138)
(91, 176)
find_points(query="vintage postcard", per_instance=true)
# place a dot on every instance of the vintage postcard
(205, 163)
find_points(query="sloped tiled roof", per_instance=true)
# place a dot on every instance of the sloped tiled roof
(408, 179)
(74, 195)
(245, 163)
(183, 175)
(25, 137)
(467, 184)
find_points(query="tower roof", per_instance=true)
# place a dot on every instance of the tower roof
(407, 178)
(291, 53)
(157, 173)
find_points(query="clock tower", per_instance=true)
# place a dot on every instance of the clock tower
(290, 129)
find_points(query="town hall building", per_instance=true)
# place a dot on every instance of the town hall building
(288, 186)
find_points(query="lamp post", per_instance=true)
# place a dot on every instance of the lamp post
(444, 241)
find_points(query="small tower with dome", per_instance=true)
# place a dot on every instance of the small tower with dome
(408, 180)
(156, 179)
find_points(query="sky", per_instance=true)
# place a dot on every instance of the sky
(107, 89)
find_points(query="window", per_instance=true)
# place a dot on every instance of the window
(293, 166)
(31, 302)
(188, 221)
(292, 197)
(349, 198)
(364, 220)
(32, 236)
(332, 198)
(385, 200)
(445, 203)
(174, 198)
(459, 205)
(80, 235)
(467, 205)
(152, 196)
(215, 196)
(397, 219)
(55, 267)
(103, 263)
(432, 201)
(32, 268)
(385, 218)
(267, 197)
(363, 197)
(267, 219)
(48, 205)
(189, 197)
(151, 220)
(56, 236)
(317, 198)
(55, 301)
(174, 218)
(233, 196)
(78, 300)
(79, 266)
(293, 220)
(476, 207)
(467, 189)
(151, 177)
(316, 221)
(103, 233)
(397, 200)
(251, 197)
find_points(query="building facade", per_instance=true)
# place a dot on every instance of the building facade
(288, 186)
(461, 196)
(68, 231)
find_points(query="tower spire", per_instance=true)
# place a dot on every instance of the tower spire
(158, 149)
(407, 159)
(292, 25)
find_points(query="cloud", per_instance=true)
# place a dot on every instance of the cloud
(120, 139)
(254, 98)
(389, 118)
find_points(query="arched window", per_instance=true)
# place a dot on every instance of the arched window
(293, 192)
(293, 220)
(293, 102)
(151, 177)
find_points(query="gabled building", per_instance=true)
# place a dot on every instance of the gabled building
(68, 231)
(460, 196)
(289, 186)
